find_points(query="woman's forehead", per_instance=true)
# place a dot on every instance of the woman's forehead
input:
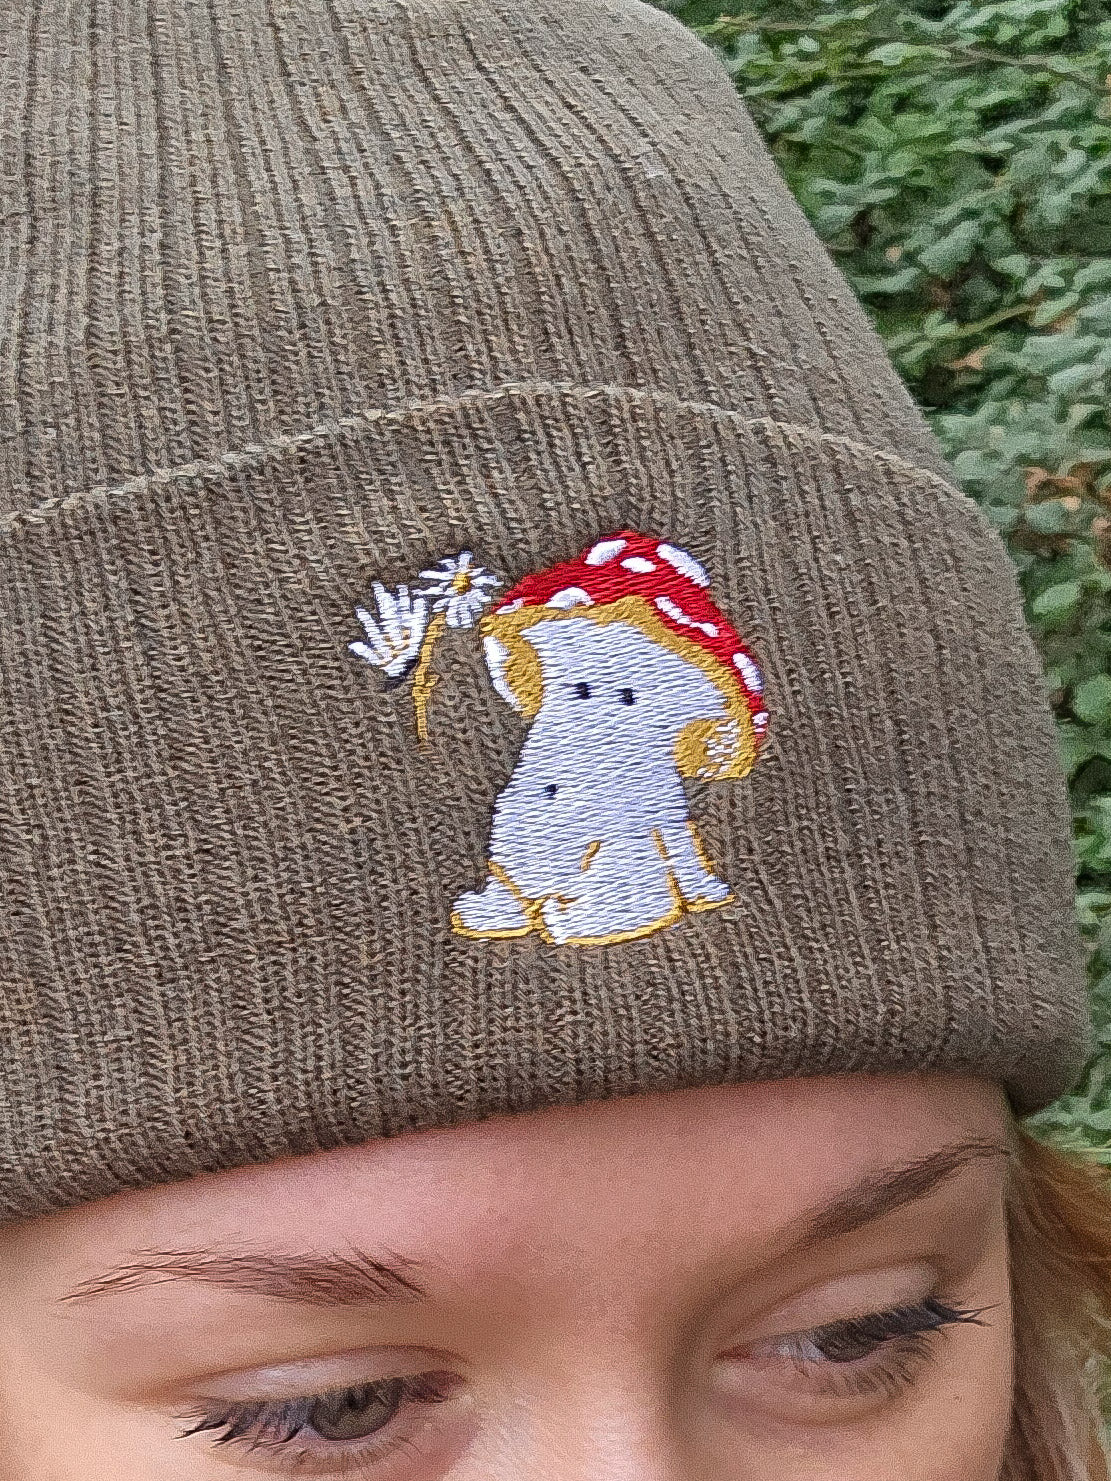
(679, 1165)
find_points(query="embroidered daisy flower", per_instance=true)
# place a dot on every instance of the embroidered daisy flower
(459, 589)
(394, 637)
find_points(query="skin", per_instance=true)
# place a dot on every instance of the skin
(611, 1292)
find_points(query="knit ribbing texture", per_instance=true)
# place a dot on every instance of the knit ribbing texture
(303, 295)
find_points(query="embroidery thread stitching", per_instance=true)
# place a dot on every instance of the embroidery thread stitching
(632, 680)
(403, 639)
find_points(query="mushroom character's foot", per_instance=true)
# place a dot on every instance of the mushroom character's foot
(626, 892)
(493, 911)
(711, 891)
(690, 867)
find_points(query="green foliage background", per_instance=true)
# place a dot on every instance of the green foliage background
(956, 159)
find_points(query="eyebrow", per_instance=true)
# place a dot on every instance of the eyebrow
(349, 1279)
(357, 1278)
(882, 1193)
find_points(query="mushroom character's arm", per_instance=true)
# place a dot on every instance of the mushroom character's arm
(395, 634)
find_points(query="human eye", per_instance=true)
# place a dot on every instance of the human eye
(874, 1356)
(363, 1429)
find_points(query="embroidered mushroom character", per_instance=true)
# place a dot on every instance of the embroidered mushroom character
(632, 680)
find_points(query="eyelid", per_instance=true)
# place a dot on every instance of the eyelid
(792, 1374)
(293, 1380)
(884, 1327)
(855, 1294)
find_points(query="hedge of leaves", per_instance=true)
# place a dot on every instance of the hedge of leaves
(956, 159)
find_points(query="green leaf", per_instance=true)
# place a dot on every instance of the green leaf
(1067, 382)
(891, 53)
(1053, 308)
(1014, 265)
(1075, 746)
(897, 282)
(1091, 700)
(1050, 518)
(952, 250)
(1056, 602)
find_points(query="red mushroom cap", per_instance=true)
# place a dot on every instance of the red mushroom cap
(626, 564)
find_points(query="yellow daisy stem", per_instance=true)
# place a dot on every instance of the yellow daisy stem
(424, 679)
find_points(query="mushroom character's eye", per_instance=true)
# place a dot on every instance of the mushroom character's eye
(581, 690)
(550, 790)
(626, 696)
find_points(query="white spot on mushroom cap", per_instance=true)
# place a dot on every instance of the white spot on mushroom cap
(754, 679)
(684, 563)
(512, 606)
(605, 550)
(570, 596)
(676, 613)
(639, 564)
(760, 720)
(668, 607)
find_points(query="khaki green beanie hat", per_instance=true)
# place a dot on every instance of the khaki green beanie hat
(482, 623)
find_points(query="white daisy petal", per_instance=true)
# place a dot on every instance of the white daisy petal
(460, 589)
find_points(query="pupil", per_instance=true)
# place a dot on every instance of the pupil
(357, 1412)
(582, 691)
(627, 696)
(550, 790)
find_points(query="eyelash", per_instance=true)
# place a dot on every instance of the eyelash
(277, 1425)
(895, 1343)
(899, 1338)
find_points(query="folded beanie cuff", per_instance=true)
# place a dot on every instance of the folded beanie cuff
(415, 412)
(233, 859)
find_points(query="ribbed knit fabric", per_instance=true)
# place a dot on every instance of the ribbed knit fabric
(306, 295)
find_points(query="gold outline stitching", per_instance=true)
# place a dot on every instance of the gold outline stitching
(509, 629)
